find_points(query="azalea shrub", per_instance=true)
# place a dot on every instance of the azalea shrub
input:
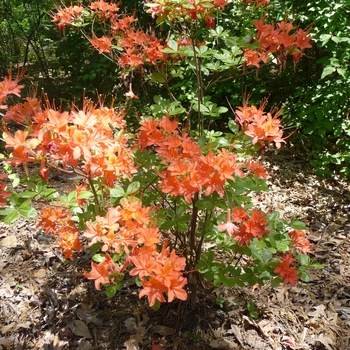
(171, 204)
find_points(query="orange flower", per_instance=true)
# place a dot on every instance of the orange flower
(104, 8)
(9, 86)
(257, 169)
(154, 290)
(53, 216)
(286, 271)
(239, 214)
(130, 93)
(3, 193)
(103, 44)
(299, 241)
(69, 241)
(175, 289)
(100, 272)
(22, 113)
(253, 227)
(145, 264)
(228, 226)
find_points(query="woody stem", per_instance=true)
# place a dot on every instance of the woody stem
(97, 202)
(192, 233)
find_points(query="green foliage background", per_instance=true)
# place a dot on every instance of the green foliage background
(315, 95)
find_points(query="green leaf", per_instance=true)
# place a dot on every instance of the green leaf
(98, 258)
(298, 225)
(11, 217)
(282, 246)
(95, 248)
(15, 180)
(304, 259)
(27, 194)
(204, 109)
(305, 277)
(317, 266)
(202, 49)
(342, 71)
(221, 110)
(233, 126)
(274, 216)
(229, 281)
(138, 282)
(72, 197)
(156, 305)
(325, 38)
(133, 187)
(117, 192)
(167, 225)
(49, 193)
(85, 195)
(6, 211)
(276, 282)
(112, 290)
(28, 212)
(158, 77)
(266, 256)
(26, 209)
(327, 71)
(250, 306)
(204, 204)
(254, 314)
(172, 44)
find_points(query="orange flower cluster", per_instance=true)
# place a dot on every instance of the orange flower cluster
(137, 46)
(299, 241)
(57, 220)
(253, 226)
(22, 113)
(187, 171)
(10, 87)
(82, 137)
(280, 41)
(286, 271)
(128, 228)
(260, 126)
(190, 10)
(67, 16)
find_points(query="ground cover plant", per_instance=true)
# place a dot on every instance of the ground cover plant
(149, 202)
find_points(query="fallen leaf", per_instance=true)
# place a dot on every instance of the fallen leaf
(40, 273)
(6, 342)
(131, 344)
(3, 263)
(89, 315)
(130, 324)
(237, 333)
(318, 312)
(162, 330)
(326, 341)
(9, 242)
(7, 328)
(221, 344)
(84, 345)
(80, 328)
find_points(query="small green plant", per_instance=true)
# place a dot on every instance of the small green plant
(251, 309)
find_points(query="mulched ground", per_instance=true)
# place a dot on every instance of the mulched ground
(46, 303)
